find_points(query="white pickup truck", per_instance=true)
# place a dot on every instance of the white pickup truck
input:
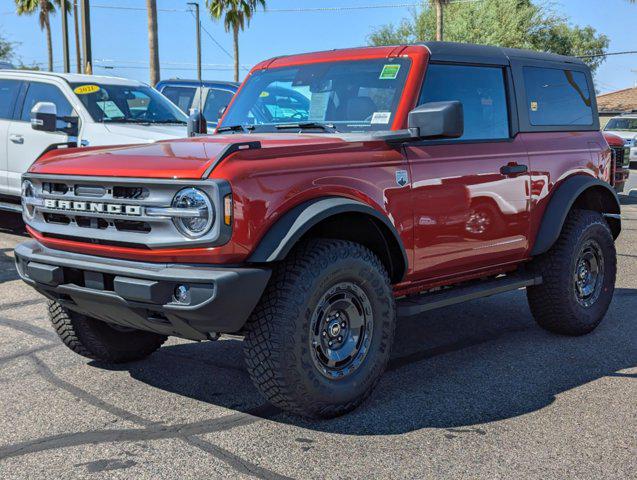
(89, 110)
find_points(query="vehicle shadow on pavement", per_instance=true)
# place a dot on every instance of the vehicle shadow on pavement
(12, 223)
(451, 369)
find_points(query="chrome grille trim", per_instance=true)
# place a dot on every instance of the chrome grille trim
(155, 210)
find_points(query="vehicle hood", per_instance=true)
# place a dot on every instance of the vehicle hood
(188, 158)
(623, 134)
(146, 133)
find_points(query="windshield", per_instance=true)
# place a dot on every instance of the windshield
(626, 124)
(353, 96)
(127, 104)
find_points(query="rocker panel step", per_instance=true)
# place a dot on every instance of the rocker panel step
(411, 306)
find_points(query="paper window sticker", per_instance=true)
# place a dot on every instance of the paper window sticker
(389, 72)
(318, 106)
(534, 106)
(381, 118)
(110, 109)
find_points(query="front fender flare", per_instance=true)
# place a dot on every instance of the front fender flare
(289, 229)
(561, 202)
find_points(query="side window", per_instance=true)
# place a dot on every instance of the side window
(8, 93)
(45, 92)
(482, 93)
(557, 97)
(180, 96)
(215, 101)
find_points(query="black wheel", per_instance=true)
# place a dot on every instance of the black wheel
(98, 340)
(320, 337)
(578, 276)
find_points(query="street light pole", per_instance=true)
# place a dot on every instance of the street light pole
(86, 36)
(196, 5)
(65, 37)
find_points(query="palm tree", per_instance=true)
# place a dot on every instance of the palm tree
(236, 14)
(45, 8)
(153, 41)
(439, 5)
(78, 47)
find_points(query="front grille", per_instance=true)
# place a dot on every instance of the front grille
(119, 211)
(618, 156)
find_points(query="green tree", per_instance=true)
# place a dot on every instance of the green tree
(236, 15)
(6, 49)
(44, 8)
(507, 23)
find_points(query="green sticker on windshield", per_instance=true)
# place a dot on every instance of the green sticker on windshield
(390, 72)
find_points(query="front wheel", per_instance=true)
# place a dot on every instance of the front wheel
(578, 276)
(320, 338)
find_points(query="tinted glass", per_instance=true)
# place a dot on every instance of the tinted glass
(180, 96)
(127, 104)
(8, 93)
(482, 93)
(354, 96)
(557, 97)
(215, 101)
(627, 124)
(45, 92)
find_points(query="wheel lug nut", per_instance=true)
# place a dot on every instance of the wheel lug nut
(340, 339)
(324, 333)
(329, 343)
(343, 325)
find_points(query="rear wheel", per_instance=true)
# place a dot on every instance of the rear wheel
(578, 276)
(98, 340)
(320, 337)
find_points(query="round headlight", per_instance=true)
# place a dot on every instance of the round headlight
(197, 225)
(28, 192)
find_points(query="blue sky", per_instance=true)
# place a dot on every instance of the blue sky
(120, 35)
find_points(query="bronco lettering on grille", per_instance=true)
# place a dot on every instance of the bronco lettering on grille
(93, 207)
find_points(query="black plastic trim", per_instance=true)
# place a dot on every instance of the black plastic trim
(229, 150)
(289, 229)
(560, 204)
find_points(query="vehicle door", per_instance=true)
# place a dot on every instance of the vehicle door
(9, 90)
(470, 194)
(217, 99)
(25, 144)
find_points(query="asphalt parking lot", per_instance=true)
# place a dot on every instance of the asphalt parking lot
(473, 391)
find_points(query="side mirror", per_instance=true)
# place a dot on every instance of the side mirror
(197, 124)
(44, 117)
(437, 120)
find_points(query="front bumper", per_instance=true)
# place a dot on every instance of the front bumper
(140, 295)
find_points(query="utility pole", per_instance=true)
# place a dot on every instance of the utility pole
(198, 28)
(78, 55)
(86, 36)
(65, 37)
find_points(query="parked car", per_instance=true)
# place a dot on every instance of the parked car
(625, 127)
(209, 96)
(91, 111)
(419, 176)
(621, 161)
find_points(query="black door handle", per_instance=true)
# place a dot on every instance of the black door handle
(513, 169)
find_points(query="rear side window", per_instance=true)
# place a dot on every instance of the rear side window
(45, 92)
(215, 101)
(180, 96)
(557, 97)
(8, 93)
(482, 92)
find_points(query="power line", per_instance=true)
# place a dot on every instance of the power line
(596, 55)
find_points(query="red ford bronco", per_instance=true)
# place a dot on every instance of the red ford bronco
(342, 190)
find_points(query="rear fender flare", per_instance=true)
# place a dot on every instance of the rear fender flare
(561, 202)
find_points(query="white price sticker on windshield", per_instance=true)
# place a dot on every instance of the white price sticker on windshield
(381, 118)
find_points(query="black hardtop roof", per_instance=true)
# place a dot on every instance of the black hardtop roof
(471, 53)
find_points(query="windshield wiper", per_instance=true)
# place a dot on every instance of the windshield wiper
(236, 128)
(328, 127)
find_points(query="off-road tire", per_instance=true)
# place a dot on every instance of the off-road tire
(278, 347)
(554, 303)
(97, 340)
